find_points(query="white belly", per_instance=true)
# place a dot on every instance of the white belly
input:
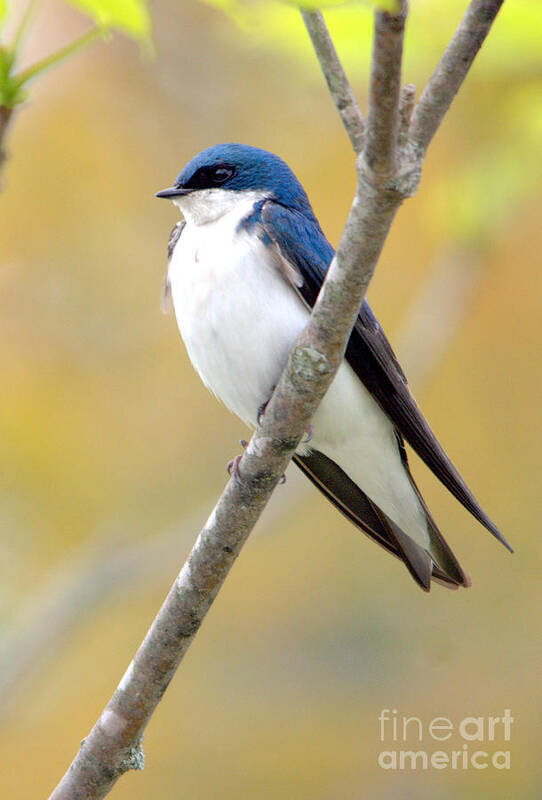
(237, 316)
(239, 319)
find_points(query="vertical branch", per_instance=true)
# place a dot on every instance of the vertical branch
(384, 90)
(378, 195)
(336, 79)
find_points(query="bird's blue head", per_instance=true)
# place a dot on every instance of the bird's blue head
(241, 168)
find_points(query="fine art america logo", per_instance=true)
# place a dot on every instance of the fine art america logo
(471, 743)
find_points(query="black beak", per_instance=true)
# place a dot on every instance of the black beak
(175, 191)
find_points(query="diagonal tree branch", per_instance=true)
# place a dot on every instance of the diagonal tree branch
(336, 79)
(451, 71)
(385, 177)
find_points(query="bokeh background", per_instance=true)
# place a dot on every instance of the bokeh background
(113, 454)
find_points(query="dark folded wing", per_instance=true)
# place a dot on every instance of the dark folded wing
(174, 236)
(370, 354)
(301, 243)
(345, 495)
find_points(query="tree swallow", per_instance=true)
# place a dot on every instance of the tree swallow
(245, 268)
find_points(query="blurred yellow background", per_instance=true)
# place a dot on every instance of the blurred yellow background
(112, 452)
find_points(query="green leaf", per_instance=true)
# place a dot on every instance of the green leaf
(10, 93)
(55, 58)
(130, 16)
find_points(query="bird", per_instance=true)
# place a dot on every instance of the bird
(245, 266)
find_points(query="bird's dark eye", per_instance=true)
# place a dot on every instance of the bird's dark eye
(221, 174)
(209, 177)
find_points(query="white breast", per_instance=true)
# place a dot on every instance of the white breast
(239, 319)
(237, 316)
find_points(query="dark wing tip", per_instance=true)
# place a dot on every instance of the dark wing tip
(489, 525)
(372, 358)
(498, 535)
(348, 498)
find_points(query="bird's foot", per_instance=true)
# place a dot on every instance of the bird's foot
(261, 411)
(309, 432)
(233, 467)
